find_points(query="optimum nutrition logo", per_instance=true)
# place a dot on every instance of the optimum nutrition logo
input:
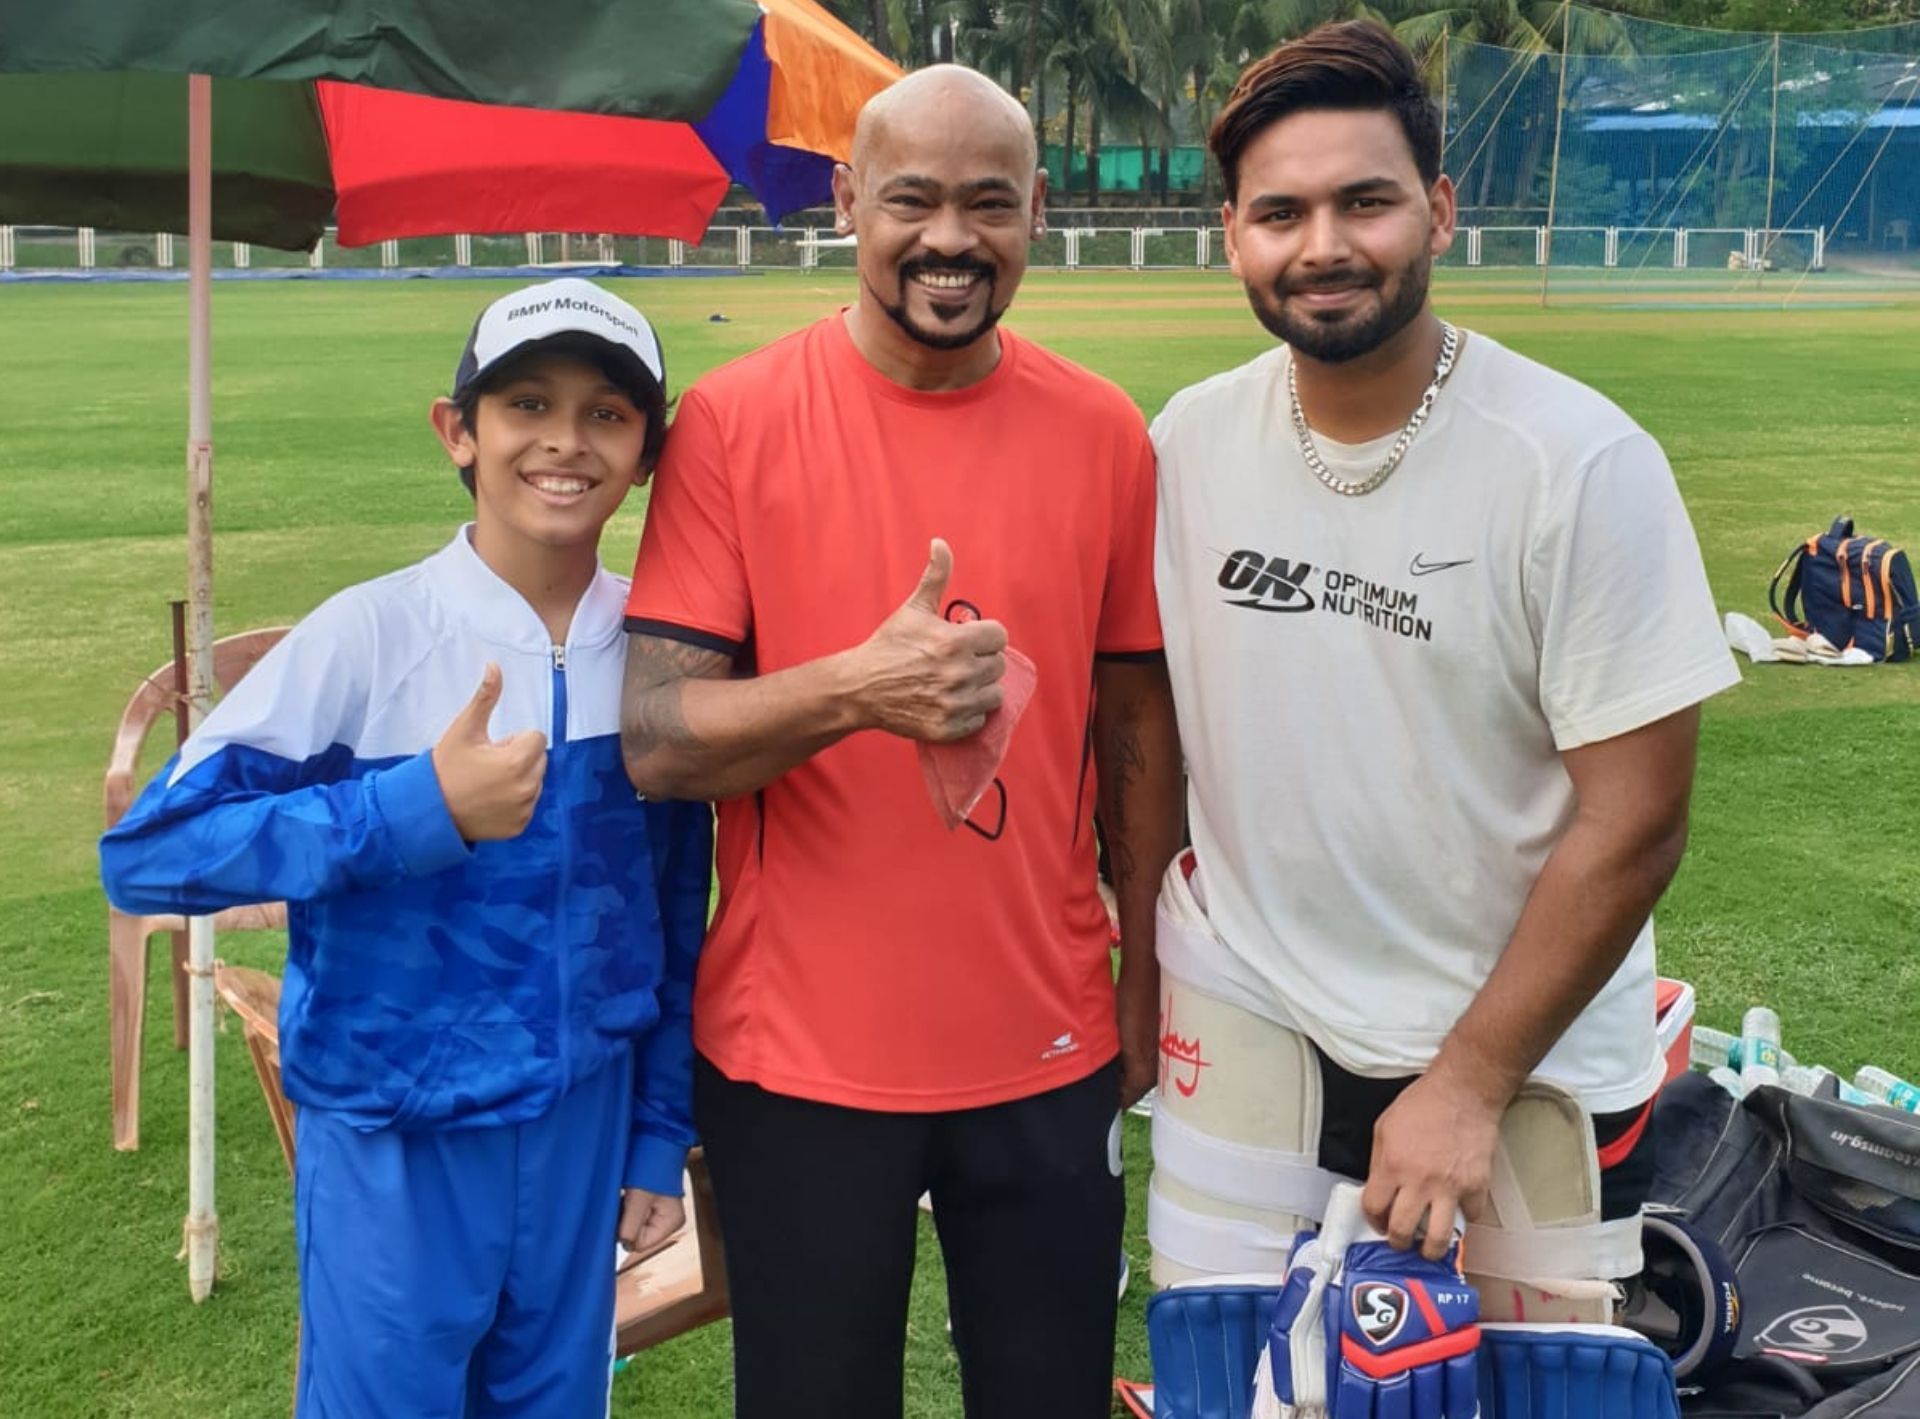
(1269, 583)
(1262, 583)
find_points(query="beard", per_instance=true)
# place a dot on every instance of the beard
(1346, 336)
(946, 336)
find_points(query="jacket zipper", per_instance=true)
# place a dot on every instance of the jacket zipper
(565, 850)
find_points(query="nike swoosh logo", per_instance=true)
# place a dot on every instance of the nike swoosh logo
(1421, 568)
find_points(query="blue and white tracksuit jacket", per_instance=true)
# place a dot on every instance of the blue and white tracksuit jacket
(432, 983)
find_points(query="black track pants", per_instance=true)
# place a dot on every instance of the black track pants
(817, 1207)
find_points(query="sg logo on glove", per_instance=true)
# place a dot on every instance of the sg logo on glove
(1361, 1331)
(1379, 1309)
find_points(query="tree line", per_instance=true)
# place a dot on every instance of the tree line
(1153, 73)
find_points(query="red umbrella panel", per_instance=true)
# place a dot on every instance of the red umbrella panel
(404, 166)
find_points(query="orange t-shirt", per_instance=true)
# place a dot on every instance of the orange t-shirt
(863, 954)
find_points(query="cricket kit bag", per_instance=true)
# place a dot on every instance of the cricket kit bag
(1816, 1205)
(1857, 591)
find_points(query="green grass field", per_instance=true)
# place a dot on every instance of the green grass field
(1800, 889)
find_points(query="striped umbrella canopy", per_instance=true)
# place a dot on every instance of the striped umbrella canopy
(411, 149)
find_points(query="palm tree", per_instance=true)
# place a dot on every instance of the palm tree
(1129, 65)
(867, 18)
(1532, 33)
(991, 37)
(1221, 37)
(1098, 50)
(1101, 58)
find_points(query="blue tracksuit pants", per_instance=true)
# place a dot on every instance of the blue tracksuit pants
(461, 1273)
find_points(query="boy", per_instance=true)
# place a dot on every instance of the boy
(491, 939)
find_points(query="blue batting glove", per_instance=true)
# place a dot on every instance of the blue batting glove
(1362, 1331)
(1402, 1336)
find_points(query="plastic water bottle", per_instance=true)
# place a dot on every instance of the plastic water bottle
(1844, 1091)
(1727, 1080)
(1853, 1094)
(1759, 1047)
(1803, 1079)
(1712, 1048)
(1811, 1079)
(1737, 1056)
(1887, 1088)
(1709, 1049)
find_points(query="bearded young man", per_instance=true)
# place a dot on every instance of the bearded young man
(1438, 630)
(888, 1004)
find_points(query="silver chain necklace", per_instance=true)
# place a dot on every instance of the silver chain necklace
(1449, 347)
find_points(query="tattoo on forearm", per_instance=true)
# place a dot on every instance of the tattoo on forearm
(657, 669)
(1123, 761)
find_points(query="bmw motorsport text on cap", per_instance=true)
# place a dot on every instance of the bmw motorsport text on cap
(568, 306)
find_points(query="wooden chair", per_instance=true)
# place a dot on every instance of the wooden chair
(255, 997)
(680, 1287)
(665, 1293)
(128, 935)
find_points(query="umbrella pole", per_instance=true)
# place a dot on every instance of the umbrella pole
(203, 1224)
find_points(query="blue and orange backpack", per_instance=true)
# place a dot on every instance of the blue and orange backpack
(1855, 591)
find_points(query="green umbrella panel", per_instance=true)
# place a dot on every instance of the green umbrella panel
(110, 151)
(669, 59)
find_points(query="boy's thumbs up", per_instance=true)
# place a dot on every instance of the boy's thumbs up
(490, 788)
(471, 723)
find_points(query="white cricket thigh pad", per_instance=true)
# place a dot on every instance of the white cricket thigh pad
(1236, 1127)
(1541, 1254)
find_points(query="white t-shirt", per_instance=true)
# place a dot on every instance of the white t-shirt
(1374, 691)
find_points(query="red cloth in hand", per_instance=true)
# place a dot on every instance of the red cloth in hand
(959, 772)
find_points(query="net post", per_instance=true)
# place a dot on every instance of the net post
(1559, 123)
(1773, 147)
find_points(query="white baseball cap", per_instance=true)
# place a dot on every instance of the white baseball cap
(569, 307)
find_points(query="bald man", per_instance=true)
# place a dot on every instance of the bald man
(870, 546)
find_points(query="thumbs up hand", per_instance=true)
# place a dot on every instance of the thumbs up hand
(490, 785)
(932, 587)
(923, 677)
